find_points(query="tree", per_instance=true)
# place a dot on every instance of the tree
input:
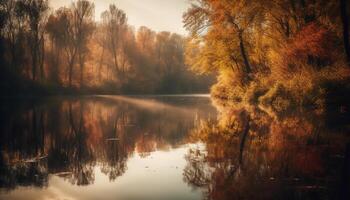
(52, 49)
(114, 21)
(227, 25)
(36, 11)
(13, 31)
(60, 29)
(145, 38)
(56, 28)
(83, 13)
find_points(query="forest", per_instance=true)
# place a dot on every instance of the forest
(275, 53)
(98, 105)
(69, 50)
(278, 54)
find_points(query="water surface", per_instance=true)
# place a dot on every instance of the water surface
(168, 147)
(104, 147)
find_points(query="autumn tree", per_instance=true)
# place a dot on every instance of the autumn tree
(82, 27)
(145, 38)
(228, 26)
(36, 11)
(42, 48)
(56, 30)
(114, 21)
(253, 45)
(13, 31)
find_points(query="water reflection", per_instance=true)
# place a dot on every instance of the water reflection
(253, 154)
(68, 138)
(124, 147)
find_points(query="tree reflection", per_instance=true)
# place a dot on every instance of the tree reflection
(249, 154)
(23, 163)
(72, 137)
(81, 157)
(115, 152)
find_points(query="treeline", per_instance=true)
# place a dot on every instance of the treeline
(66, 50)
(276, 53)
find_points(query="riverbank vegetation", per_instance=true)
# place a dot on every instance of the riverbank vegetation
(70, 50)
(278, 54)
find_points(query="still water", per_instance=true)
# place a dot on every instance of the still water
(169, 148)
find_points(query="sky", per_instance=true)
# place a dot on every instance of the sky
(159, 15)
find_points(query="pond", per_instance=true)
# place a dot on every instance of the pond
(168, 148)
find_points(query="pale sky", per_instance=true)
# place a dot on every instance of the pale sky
(159, 15)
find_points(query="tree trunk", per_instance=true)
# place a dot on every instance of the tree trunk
(244, 135)
(344, 17)
(13, 63)
(115, 52)
(248, 68)
(81, 63)
(42, 59)
(34, 68)
(101, 63)
(35, 52)
(34, 60)
(71, 64)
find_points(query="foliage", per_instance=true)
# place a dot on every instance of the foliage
(277, 97)
(274, 51)
(66, 50)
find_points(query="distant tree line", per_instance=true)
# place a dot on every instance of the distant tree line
(66, 49)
